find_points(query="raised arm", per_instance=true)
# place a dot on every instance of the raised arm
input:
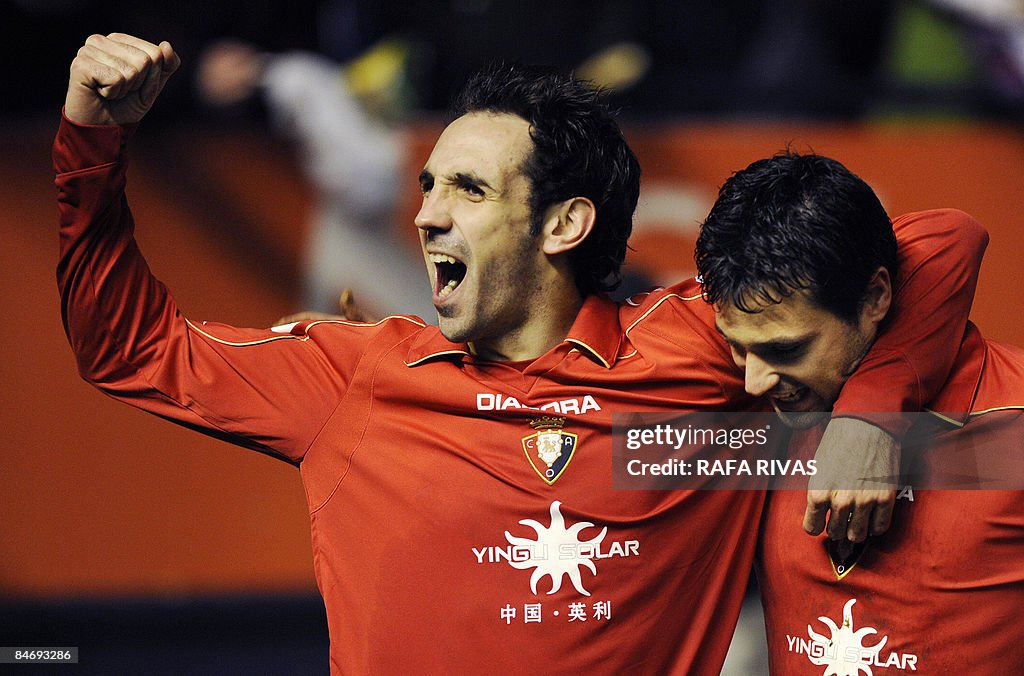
(940, 255)
(131, 341)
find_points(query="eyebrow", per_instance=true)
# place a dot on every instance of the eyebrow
(463, 178)
(460, 178)
(776, 344)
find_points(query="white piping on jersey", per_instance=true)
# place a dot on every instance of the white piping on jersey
(655, 307)
(591, 350)
(435, 354)
(247, 343)
(348, 322)
(286, 336)
(998, 408)
(945, 419)
(974, 414)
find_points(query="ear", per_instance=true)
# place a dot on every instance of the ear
(568, 224)
(877, 297)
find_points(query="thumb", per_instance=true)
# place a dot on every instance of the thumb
(351, 310)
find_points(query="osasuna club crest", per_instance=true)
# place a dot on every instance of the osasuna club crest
(550, 448)
(844, 555)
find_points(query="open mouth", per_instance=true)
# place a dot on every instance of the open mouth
(448, 274)
(789, 398)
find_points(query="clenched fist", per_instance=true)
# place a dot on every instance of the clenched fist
(116, 78)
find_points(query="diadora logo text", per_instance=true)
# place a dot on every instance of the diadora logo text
(491, 401)
(557, 552)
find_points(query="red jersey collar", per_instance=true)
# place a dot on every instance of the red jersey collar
(430, 345)
(596, 333)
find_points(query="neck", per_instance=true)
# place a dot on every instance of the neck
(546, 327)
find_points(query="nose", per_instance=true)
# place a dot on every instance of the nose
(434, 213)
(759, 378)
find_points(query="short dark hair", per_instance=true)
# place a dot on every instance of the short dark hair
(793, 222)
(578, 151)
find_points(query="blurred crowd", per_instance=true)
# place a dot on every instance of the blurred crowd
(811, 58)
(341, 77)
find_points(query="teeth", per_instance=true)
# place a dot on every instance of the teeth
(447, 290)
(441, 258)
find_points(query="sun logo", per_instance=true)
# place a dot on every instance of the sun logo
(845, 653)
(557, 552)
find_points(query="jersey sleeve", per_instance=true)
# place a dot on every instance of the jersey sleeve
(940, 253)
(268, 391)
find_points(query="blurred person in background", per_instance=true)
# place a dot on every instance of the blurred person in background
(346, 121)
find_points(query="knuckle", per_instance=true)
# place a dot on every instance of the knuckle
(862, 498)
(842, 501)
(879, 497)
(816, 497)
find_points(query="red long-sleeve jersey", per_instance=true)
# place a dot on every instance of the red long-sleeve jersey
(942, 590)
(443, 542)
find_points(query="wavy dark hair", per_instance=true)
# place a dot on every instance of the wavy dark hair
(578, 151)
(793, 222)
